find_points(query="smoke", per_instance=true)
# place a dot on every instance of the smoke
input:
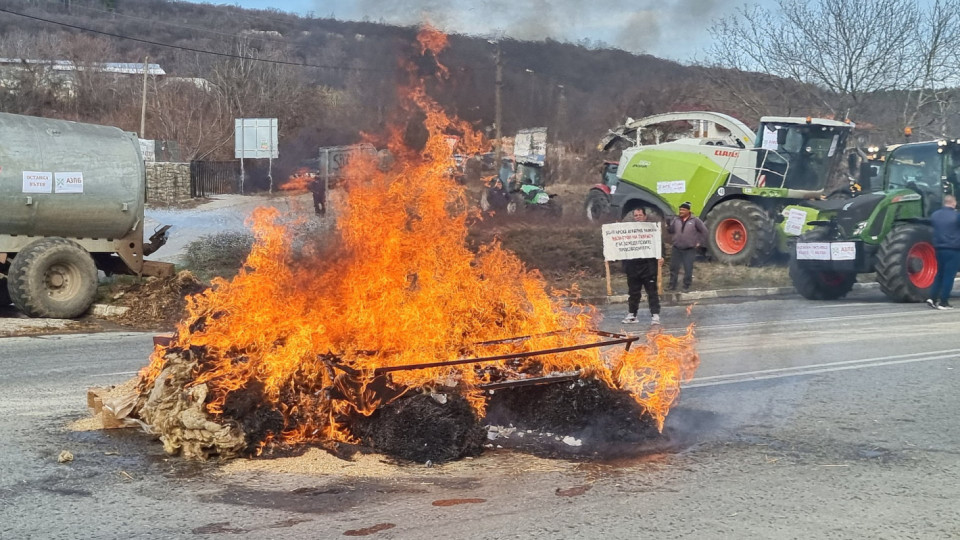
(667, 28)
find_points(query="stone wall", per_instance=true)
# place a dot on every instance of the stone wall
(168, 183)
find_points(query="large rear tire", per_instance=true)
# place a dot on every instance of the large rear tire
(907, 263)
(53, 278)
(597, 206)
(816, 284)
(740, 232)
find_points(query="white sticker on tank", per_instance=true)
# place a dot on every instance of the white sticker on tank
(673, 186)
(69, 182)
(37, 182)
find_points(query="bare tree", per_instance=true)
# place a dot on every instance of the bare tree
(847, 47)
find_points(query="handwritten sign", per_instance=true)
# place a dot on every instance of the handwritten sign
(68, 182)
(795, 220)
(631, 240)
(673, 186)
(813, 251)
(769, 139)
(37, 182)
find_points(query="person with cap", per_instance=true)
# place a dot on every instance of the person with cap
(946, 244)
(642, 275)
(687, 233)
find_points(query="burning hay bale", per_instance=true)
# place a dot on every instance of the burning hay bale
(347, 341)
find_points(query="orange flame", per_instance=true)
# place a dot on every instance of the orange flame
(398, 287)
(299, 181)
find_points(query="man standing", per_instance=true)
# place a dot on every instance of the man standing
(687, 232)
(642, 274)
(319, 191)
(946, 241)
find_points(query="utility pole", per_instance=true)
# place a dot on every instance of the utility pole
(498, 112)
(143, 100)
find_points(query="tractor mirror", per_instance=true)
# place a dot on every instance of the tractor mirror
(781, 136)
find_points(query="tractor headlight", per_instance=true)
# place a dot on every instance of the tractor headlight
(859, 229)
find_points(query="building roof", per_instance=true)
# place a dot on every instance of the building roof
(127, 68)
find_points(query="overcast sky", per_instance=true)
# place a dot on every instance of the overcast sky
(675, 29)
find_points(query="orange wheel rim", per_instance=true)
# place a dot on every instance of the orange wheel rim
(922, 264)
(731, 236)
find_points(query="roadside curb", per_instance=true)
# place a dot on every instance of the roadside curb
(692, 296)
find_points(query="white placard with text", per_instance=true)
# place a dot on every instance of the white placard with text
(631, 240)
(68, 182)
(37, 182)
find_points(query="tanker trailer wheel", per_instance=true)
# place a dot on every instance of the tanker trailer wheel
(740, 232)
(597, 206)
(818, 284)
(907, 263)
(53, 278)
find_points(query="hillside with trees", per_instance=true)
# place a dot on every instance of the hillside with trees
(328, 81)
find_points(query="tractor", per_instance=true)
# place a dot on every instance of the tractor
(886, 232)
(736, 180)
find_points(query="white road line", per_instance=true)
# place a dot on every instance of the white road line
(861, 317)
(813, 369)
(112, 374)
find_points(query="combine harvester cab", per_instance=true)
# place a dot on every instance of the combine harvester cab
(736, 180)
(71, 204)
(886, 232)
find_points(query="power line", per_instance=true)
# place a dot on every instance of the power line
(190, 49)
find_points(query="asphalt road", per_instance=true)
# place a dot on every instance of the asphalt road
(805, 420)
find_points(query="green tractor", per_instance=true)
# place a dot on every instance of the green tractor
(883, 230)
(736, 180)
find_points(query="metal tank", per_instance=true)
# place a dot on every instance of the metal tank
(67, 179)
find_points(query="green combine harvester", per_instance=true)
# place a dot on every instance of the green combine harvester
(884, 230)
(738, 181)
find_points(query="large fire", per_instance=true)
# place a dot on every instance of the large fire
(397, 287)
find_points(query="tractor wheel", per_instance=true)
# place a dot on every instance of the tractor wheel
(53, 278)
(740, 232)
(907, 263)
(515, 204)
(815, 284)
(597, 206)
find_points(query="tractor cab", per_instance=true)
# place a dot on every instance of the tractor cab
(928, 168)
(799, 154)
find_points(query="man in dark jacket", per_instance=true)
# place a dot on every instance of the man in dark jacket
(946, 241)
(642, 274)
(687, 232)
(319, 190)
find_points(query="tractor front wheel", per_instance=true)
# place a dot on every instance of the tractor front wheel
(740, 232)
(907, 263)
(819, 284)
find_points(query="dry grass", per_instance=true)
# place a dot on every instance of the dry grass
(570, 251)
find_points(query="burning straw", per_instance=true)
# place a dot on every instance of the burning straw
(286, 351)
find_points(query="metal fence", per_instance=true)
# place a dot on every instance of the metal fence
(214, 178)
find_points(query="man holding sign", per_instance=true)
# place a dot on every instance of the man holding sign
(638, 246)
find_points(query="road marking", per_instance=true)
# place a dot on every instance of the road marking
(112, 374)
(813, 369)
(926, 312)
